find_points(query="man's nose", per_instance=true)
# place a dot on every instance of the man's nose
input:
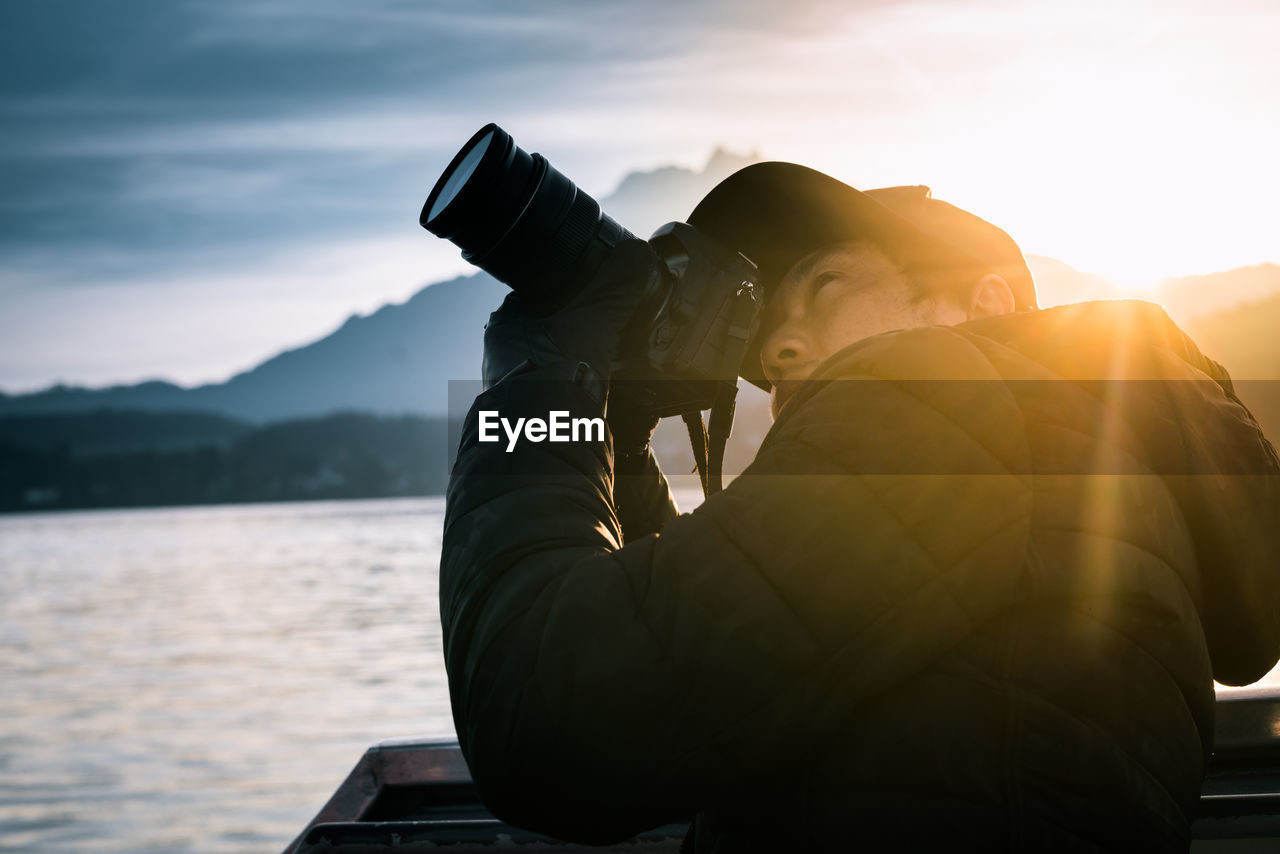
(783, 349)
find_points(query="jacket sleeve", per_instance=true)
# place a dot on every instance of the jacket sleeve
(599, 690)
(642, 496)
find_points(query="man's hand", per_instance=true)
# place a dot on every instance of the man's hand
(588, 329)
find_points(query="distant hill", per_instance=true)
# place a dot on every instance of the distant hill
(1059, 284)
(1216, 293)
(397, 360)
(1246, 340)
(1187, 298)
(646, 200)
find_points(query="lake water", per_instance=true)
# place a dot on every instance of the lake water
(201, 679)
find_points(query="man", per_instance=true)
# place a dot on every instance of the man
(972, 592)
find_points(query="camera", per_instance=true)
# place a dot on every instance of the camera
(516, 217)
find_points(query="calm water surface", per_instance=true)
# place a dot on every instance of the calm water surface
(201, 679)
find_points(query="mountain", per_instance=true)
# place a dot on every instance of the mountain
(1058, 283)
(1187, 298)
(1200, 296)
(646, 200)
(1245, 341)
(398, 359)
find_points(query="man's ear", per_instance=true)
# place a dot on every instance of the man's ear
(992, 296)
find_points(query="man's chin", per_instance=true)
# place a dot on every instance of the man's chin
(780, 394)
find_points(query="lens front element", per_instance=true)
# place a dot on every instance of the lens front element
(458, 178)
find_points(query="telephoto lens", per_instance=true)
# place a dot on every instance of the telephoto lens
(516, 217)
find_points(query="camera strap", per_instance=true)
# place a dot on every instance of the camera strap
(709, 445)
(699, 442)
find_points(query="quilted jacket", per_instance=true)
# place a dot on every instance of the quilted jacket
(974, 589)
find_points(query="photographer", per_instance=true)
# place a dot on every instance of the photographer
(973, 590)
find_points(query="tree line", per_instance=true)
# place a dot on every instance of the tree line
(133, 459)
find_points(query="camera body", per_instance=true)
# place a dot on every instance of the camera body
(520, 220)
(694, 340)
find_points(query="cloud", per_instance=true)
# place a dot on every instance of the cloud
(153, 141)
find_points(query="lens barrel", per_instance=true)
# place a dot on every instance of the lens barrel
(516, 217)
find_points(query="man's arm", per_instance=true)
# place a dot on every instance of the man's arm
(599, 690)
(641, 496)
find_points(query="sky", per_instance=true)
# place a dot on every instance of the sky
(190, 187)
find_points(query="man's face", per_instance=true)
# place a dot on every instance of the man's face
(832, 298)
